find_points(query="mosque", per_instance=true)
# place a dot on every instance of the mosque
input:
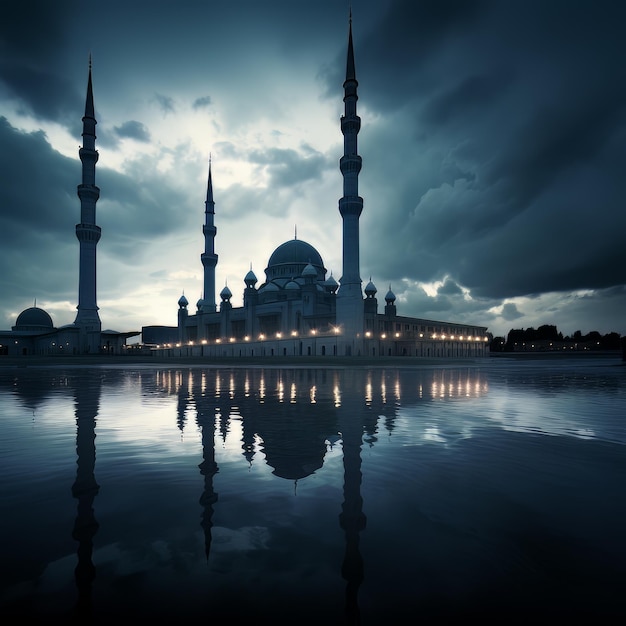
(298, 310)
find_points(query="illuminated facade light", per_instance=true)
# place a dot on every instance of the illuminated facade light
(383, 336)
(218, 341)
(279, 335)
(261, 336)
(294, 333)
(246, 338)
(232, 340)
(368, 334)
(397, 335)
(204, 342)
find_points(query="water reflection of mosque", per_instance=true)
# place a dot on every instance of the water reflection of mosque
(288, 417)
(292, 416)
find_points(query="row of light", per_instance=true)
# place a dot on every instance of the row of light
(369, 334)
(313, 332)
(261, 337)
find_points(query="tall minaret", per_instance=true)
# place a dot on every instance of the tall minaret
(350, 296)
(88, 233)
(209, 258)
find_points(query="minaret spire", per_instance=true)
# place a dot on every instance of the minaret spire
(208, 257)
(87, 232)
(349, 295)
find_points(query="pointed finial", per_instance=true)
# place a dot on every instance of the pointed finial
(90, 61)
(350, 71)
(295, 231)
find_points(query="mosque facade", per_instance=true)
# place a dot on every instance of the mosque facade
(300, 310)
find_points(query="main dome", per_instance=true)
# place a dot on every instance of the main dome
(290, 258)
(33, 318)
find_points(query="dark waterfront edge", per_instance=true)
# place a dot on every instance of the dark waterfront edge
(613, 357)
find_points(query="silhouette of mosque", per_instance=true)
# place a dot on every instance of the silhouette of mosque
(300, 311)
(296, 311)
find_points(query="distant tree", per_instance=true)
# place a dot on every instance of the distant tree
(610, 341)
(546, 332)
(498, 344)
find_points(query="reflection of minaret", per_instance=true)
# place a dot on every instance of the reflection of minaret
(183, 399)
(88, 233)
(85, 489)
(352, 518)
(208, 468)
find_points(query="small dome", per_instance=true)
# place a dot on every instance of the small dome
(331, 284)
(269, 287)
(292, 284)
(200, 303)
(183, 302)
(370, 289)
(390, 298)
(33, 318)
(309, 270)
(250, 279)
(226, 293)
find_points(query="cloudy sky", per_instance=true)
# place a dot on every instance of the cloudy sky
(493, 143)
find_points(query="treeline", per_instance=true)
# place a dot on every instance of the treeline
(548, 337)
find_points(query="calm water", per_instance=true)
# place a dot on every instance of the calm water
(321, 496)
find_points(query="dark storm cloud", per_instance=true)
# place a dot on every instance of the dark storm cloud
(449, 288)
(509, 312)
(39, 210)
(133, 130)
(497, 135)
(35, 219)
(32, 38)
(165, 103)
(201, 103)
(24, 155)
(287, 167)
